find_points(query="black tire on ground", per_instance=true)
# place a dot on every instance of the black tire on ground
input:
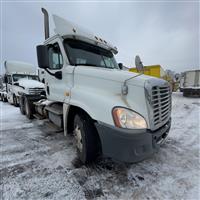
(1, 99)
(29, 108)
(21, 105)
(4, 99)
(89, 138)
(15, 101)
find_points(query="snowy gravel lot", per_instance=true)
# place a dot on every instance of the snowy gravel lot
(36, 162)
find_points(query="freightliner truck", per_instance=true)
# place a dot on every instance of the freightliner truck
(110, 112)
(20, 78)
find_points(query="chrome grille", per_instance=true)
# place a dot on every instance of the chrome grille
(158, 94)
(35, 90)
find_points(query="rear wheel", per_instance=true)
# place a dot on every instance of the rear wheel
(28, 108)
(86, 138)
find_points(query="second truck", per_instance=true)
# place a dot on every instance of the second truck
(109, 111)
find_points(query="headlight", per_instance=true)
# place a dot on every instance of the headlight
(125, 118)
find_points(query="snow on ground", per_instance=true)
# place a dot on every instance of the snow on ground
(36, 162)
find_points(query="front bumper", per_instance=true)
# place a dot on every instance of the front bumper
(130, 145)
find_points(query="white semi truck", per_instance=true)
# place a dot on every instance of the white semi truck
(20, 78)
(109, 111)
(3, 93)
(190, 83)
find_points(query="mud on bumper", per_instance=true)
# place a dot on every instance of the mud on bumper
(130, 145)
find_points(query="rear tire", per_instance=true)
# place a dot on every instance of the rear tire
(29, 108)
(86, 138)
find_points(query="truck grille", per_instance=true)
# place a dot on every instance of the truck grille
(36, 90)
(159, 103)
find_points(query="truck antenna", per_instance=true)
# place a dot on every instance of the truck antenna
(46, 23)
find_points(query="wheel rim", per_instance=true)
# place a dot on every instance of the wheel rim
(78, 138)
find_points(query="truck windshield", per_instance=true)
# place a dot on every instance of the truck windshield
(17, 77)
(33, 77)
(82, 53)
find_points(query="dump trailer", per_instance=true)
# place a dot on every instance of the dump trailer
(191, 83)
(110, 112)
(21, 78)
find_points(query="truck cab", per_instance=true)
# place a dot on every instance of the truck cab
(109, 111)
(20, 79)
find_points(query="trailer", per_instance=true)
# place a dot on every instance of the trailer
(191, 83)
(109, 111)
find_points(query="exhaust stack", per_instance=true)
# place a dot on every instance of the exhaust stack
(46, 23)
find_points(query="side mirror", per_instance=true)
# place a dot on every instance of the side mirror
(58, 74)
(42, 56)
(120, 66)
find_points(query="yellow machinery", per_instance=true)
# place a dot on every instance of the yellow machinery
(152, 70)
(157, 71)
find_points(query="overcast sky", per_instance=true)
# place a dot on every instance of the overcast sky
(165, 33)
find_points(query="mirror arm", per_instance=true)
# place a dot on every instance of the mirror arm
(53, 74)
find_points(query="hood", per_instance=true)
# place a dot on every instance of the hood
(30, 83)
(113, 75)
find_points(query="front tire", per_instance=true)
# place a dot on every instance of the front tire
(29, 108)
(21, 106)
(15, 101)
(4, 99)
(86, 138)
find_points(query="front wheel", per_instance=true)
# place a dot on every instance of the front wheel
(15, 101)
(4, 99)
(29, 108)
(86, 138)
(21, 106)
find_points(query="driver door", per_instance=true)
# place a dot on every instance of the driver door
(58, 89)
(54, 86)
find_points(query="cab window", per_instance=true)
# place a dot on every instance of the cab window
(55, 57)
